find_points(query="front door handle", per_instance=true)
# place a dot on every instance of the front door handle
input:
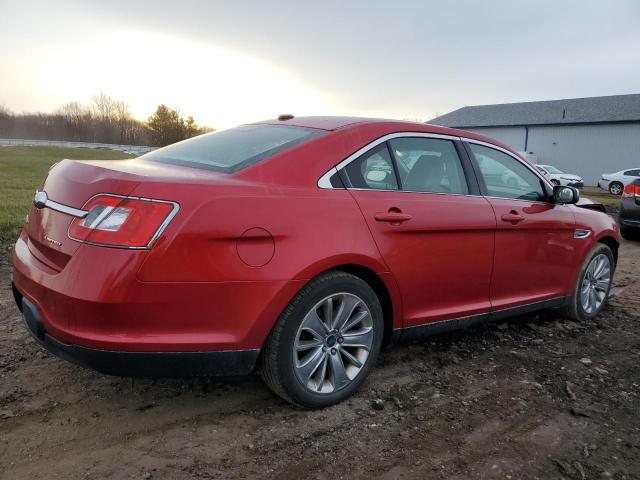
(392, 216)
(512, 217)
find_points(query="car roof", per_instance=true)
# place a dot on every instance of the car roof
(332, 123)
(322, 122)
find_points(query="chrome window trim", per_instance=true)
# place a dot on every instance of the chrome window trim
(414, 191)
(155, 236)
(323, 181)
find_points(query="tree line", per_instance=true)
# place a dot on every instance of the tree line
(103, 120)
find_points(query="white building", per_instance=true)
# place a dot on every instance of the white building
(586, 136)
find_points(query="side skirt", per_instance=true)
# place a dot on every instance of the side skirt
(435, 328)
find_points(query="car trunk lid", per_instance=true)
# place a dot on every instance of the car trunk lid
(71, 184)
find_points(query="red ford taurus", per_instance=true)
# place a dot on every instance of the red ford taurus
(298, 247)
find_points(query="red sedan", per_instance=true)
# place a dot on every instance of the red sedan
(298, 247)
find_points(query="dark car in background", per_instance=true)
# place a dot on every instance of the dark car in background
(630, 211)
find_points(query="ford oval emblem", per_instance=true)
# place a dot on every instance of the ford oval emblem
(40, 199)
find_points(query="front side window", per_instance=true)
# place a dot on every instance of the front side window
(506, 177)
(429, 165)
(234, 149)
(373, 170)
(632, 173)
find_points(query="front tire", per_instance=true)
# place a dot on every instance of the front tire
(616, 188)
(593, 284)
(325, 343)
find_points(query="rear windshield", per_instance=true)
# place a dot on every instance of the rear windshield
(234, 149)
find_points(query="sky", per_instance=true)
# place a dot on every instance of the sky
(228, 63)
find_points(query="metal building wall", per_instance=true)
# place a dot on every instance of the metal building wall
(587, 150)
(512, 136)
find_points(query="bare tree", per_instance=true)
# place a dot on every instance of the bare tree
(78, 119)
(104, 107)
(104, 120)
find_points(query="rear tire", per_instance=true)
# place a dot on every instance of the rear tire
(616, 188)
(325, 343)
(592, 285)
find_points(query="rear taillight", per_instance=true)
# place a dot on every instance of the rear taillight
(122, 221)
(631, 190)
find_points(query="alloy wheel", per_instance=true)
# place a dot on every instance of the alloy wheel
(333, 343)
(615, 189)
(595, 283)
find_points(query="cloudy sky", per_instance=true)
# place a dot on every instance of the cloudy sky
(231, 62)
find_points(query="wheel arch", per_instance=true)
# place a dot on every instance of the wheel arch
(373, 274)
(382, 292)
(613, 244)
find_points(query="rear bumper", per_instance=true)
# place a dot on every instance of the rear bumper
(96, 302)
(138, 364)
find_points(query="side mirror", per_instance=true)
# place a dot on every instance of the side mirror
(565, 194)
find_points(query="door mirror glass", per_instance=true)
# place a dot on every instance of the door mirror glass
(566, 194)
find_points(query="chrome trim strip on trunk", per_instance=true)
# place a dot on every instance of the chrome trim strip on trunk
(41, 200)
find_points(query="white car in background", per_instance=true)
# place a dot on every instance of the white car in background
(558, 177)
(615, 182)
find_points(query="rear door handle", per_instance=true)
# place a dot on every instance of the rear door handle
(392, 217)
(512, 217)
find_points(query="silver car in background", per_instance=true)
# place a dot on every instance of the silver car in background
(615, 182)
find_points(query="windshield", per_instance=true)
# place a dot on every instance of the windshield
(234, 149)
(551, 169)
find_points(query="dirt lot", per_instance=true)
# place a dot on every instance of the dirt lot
(536, 397)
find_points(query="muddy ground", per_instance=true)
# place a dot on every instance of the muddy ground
(535, 397)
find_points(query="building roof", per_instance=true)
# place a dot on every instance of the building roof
(614, 108)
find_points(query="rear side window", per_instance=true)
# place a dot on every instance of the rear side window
(429, 165)
(234, 149)
(373, 170)
(506, 177)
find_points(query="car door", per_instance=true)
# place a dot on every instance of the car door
(535, 257)
(630, 175)
(432, 228)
